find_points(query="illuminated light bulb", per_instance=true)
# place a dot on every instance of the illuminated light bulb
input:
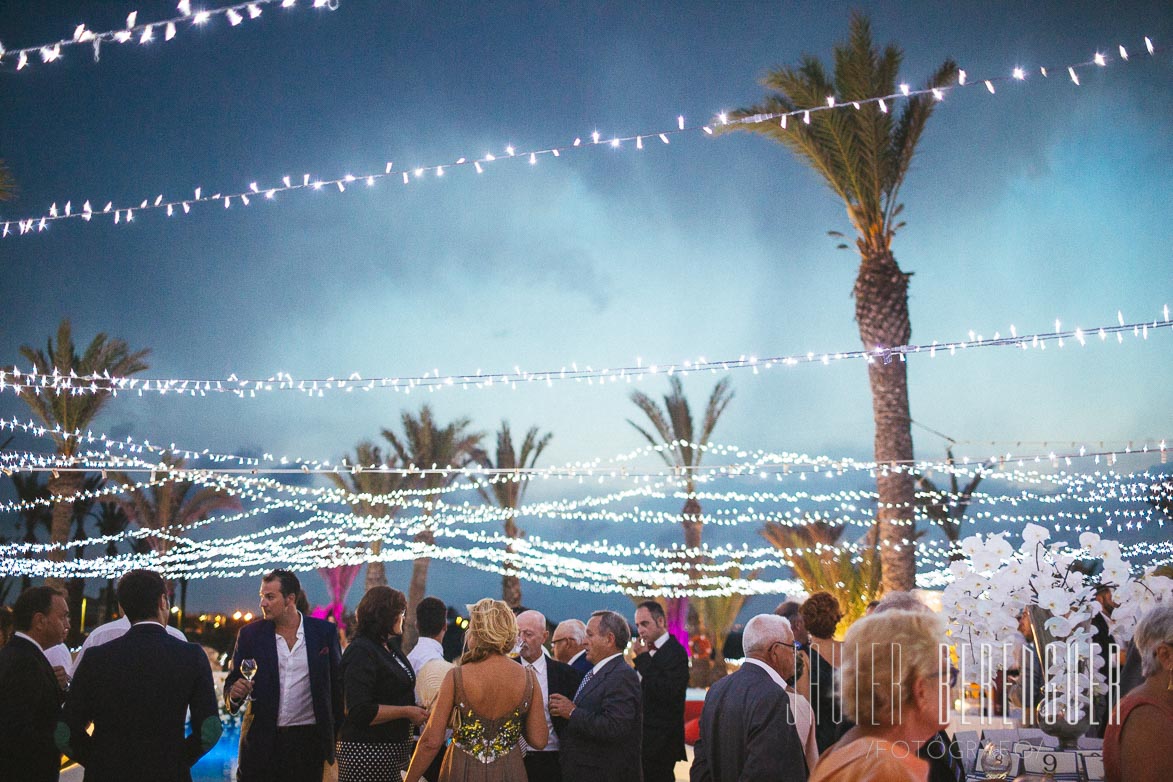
(664, 138)
(348, 178)
(131, 18)
(234, 18)
(577, 142)
(639, 142)
(201, 17)
(305, 179)
(904, 88)
(184, 7)
(269, 194)
(253, 187)
(883, 107)
(197, 193)
(186, 207)
(370, 181)
(707, 130)
(595, 137)
(509, 151)
(724, 118)
(244, 198)
(419, 172)
(320, 3)
(22, 60)
(405, 178)
(129, 216)
(341, 187)
(533, 159)
(990, 86)
(77, 33)
(1099, 59)
(806, 118)
(938, 94)
(158, 199)
(782, 122)
(318, 185)
(489, 158)
(614, 142)
(169, 31)
(1019, 74)
(830, 101)
(460, 161)
(285, 179)
(680, 119)
(287, 3)
(556, 153)
(1148, 44)
(1123, 53)
(227, 201)
(253, 11)
(1043, 71)
(388, 169)
(1074, 77)
(961, 77)
(477, 166)
(439, 171)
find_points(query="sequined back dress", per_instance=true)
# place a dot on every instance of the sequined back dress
(485, 750)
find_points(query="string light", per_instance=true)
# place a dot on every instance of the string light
(143, 33)
(42, 222)
(56, 381)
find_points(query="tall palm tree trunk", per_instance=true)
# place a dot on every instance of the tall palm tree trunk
(376, 570)
(61, 485)
(510, 583)
(417, 590)
(881, 310)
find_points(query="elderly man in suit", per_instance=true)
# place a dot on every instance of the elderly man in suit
(554, 678)
(604, 730)
(297, 695)
(662, 664)
(136, 691)
(747, 728)
(30, 688)
(569, 645)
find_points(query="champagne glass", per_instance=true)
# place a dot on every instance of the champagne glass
(248, 669)
(995, 761)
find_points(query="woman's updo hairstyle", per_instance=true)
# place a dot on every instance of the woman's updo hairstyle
(492, 629)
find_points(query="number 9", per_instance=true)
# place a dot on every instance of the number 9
(1049, 762)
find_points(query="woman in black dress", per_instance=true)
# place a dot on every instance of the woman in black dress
(821, 614)
(374, 740)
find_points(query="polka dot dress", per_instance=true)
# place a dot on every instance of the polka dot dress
(361, 762)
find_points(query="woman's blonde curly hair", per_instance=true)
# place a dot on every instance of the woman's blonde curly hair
(492, 629)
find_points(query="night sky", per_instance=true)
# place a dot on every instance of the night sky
(1045, 201)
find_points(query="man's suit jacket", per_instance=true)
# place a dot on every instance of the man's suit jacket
(564, 680)
(664, 682)
(258, 732)
(582, 664)
(602, 740)
(747, 732)
(136, 690)
(30, 704)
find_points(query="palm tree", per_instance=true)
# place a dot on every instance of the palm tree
(171, 504)
(366, 486)
(32, 493)
(863, 156)
(813, 553)
(715, 615)
(947, 508)
(111, 519)
(426, 446)
(674, 426)
(507, 491)
(67, 412)
(7, 183)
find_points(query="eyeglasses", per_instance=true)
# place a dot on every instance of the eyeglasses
(791, 646)
(560, 640)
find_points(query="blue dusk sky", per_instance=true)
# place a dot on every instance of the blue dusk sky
(1044, 201)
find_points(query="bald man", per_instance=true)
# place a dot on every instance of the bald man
(569, 645)
(553, 676)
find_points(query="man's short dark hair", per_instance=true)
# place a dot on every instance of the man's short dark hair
(616, 625)
(289, 583)
(653, 608)
(138, 594)
(789, 610)
(32, 601)
(431, 617)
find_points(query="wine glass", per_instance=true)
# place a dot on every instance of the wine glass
(248, 669)
(995, 761)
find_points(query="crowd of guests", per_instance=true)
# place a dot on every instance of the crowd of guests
(587, 702)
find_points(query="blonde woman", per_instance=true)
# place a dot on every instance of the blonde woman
(894, 680)
(488, 699)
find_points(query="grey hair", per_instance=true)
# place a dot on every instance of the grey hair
(763, 630)
(574, 628)
(611, 622)
(900, 601)
(1155, 628)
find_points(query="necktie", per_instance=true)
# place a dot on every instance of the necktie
(582, 685)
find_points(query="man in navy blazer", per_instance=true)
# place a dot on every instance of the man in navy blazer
(30, 691)
(603, 736)
(136, 691)
(297, 695)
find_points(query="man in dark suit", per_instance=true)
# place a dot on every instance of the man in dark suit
(136, 691)
(662, 664)
(747, 731)
(554, 678)
(602, 739)
(297, 695)
(569, 645)
(30, 691)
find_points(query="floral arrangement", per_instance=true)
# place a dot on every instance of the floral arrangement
(996, 583)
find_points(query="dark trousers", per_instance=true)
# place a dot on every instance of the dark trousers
(297, 755)
(659, 767)
(543, 767)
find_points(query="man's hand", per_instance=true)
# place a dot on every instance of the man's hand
(639, 646)
(240, 689)
(62, 678)
(561, 706)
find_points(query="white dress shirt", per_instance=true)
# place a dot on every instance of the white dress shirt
(426, 650)
(30, 639)
(575, 657)
(104, 634)
(296, 704)
(658, 644)
(542, 670)
(800, 708)
(603, 662)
